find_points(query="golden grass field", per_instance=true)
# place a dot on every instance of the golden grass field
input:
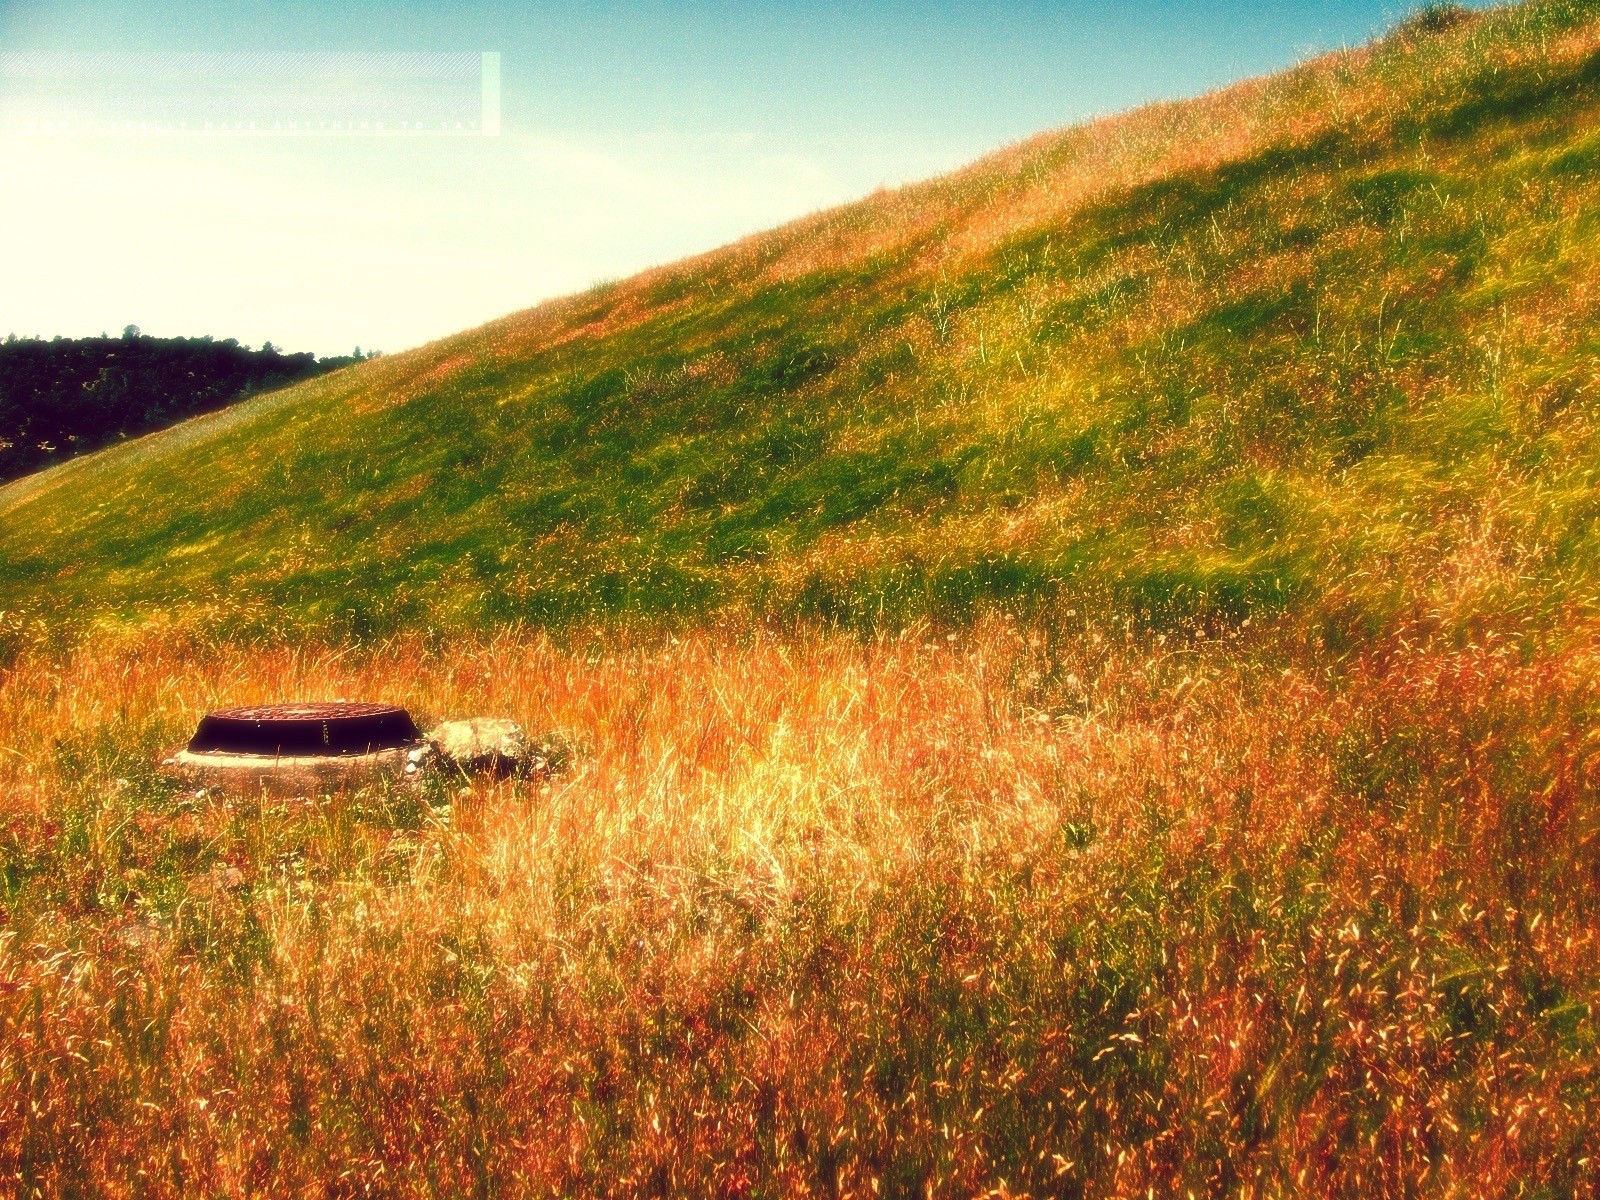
(1002, 912)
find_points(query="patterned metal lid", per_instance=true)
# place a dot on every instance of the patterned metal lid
(315, 730)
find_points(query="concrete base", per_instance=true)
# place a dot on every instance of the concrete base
(240, 773)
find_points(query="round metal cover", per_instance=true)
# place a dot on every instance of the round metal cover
(304, 730)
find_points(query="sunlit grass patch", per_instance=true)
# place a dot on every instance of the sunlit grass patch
(1046, 905)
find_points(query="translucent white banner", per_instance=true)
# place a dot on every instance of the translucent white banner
(260, 94)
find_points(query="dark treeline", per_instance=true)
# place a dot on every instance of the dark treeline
(66, 396)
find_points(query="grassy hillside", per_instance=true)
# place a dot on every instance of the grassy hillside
(1322, 343)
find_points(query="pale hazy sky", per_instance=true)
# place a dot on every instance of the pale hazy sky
(632, 134)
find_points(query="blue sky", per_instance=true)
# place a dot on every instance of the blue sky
(632, 133)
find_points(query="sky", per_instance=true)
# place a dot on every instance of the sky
(631, 133)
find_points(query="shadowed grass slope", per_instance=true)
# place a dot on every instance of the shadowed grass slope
(1323, 343)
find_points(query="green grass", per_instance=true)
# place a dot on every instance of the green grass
(1317, 346)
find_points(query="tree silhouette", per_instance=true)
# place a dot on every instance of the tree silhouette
(67, 396)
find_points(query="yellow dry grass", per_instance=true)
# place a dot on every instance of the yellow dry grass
(1025, 911)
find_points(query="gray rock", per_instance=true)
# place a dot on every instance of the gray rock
(495, 746)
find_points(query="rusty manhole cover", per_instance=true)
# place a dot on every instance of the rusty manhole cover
(335, 730)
